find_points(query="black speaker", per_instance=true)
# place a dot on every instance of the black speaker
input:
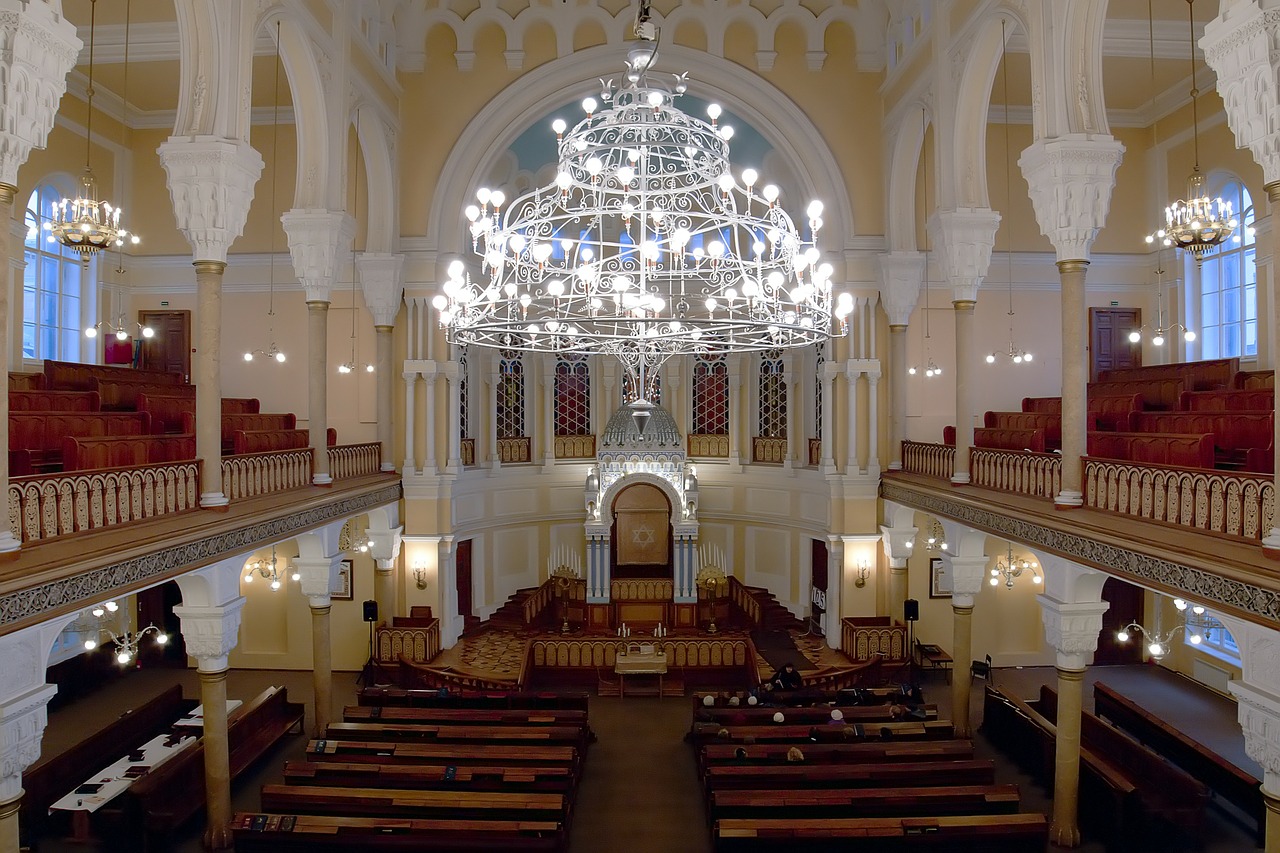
(911, 610)
(371, 611)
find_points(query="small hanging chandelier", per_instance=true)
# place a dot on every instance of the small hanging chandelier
(1196, 623)
(1161, 330)
(937, 539)
(1010, 570)
(87, 223)
(269, 570)
(1197, 224)
(931, 369)
(349, 366)
(126, 642)
(272, 352)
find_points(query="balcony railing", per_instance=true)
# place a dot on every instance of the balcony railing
(251, 474)
(709, 446)
(815, 452)
(515, 450)
(771, 450)
(355, 460)
(467, 450)
(1022, 471)
(575, 447)
(45, 506)
(931, 460)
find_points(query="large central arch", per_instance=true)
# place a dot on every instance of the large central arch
(778, 119)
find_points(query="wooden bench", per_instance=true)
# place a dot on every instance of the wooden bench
(264, 833)
(1250, 380)
(867, 802)
(26, 381)
(509, 735)
(258, 422)
(73, 376)
(121, 394)
(1258, 400)
(1015, 833)
(167, 410)
(1234, 433)
(1232, 783)
(1157, 394)
(149, 811)
(123, 451)
(50, 780)
(263, 441)
(479, 777)
(1108, 412)
(1186, 451)
(802, 775)
(393, 752)
(396, 802)
(42, 433)
(462, 716)
(54, 401)
(1208, 375)
(841, 753)
(1010, 439)
(469, 699)
(708, 733)
(1049, 424)
(817, 715)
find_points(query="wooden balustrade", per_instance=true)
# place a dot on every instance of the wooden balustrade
(1232, 504)
(42, 507)
(770, 450)
(575, 447)
(419, 645)
(515, 450)
(932, 460)
(467, 451)
(745, 602)
(355, 460)
(709, 446)
(866, 638)
(539, 601)
(251, 474)
(1036, 474)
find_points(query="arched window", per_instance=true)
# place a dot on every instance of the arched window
(510, 394)
(53, 297)
(1228, 286)
(1219, 643)
(464, 407)
(572, 396)
(773, 396)
(710, 395)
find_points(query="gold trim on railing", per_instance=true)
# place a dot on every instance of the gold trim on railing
(709, 446)
(575, 447)
(1022, 471)
(815, 452)
(932, 460)
(45, 506)
(769, 450)
(250, 474)
(419, 645)
(514, 450)
(467, 450)
(1232, 504)
(355, 460)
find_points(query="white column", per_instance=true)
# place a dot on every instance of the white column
(873, 425)
(901, 274)
(430, 466)
(736, 407)
(495, 463)
(598, 575)
(897, 543)
(851, 466)
(381, 285)
(384, 548)
(835, 590)
(453, 375)
(319, 571)
(829, 371)
(548, 365)
(410, 403)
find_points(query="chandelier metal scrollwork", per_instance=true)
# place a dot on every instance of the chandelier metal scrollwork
(1196, 623)
(1010, 570)
(646, 245)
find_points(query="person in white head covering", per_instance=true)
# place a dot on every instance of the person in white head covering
(778, 718)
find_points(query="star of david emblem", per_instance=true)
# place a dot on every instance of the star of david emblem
(643, 535)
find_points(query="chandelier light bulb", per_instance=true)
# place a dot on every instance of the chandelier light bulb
(1026, 356)
(1156, 650)
(121, 334)
(91, 332)
(248, 578)
(280, 357)
(90, 645)
(248, 356)
(558, 126)
(713, 110)
(162, 639)
(1122, 635)
(911, 370)
(1188, 336)
(369, 368)
(991, 358)
(296, 576)
(1158, 340)
(123, 657)
(1135, 336)
(148, 332)
(112, 607)
(275, 584)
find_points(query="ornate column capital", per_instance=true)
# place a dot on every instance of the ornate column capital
(1259, 713)
(964, 238)
(1242, 46)
(318, 239)
(898, 541)
(384, 545)
(382, 283)
(901, 274)
(1070, 180)
(210, 632)
(1072, 629)
(967, 576)
(211, 183)
(22, 722)
(317, 577)
(38, 46)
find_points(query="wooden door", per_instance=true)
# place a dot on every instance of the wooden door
(1125, 602)
(462, 575)
(1109, 344)
(170, 348)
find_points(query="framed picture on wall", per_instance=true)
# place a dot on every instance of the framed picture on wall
(342, 589)
(939, 579)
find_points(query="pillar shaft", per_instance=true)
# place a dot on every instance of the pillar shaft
(384, 591)
(835, 590)
(8, 542)
(1272, 540)
(851, 428)
(963, 642)
(897, 588)
(828, 419)
(207, 372)
(9, 837)
(873, 424)
(966, 351)
(217, 761)
(429, 466)
(1064, 830)
(410, 388)
(383, 366)
(453, 427)
(318, 387)
(1075, 378)
(322, 667)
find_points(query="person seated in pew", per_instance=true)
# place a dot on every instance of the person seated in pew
(794, 755)
(786, 678)
(886, 733)
(740, 754)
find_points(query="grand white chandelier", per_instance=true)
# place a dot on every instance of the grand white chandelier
(646, 245)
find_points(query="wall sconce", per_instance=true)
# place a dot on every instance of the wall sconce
(863, 569)
(420, 576)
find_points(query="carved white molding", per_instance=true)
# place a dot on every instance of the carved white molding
(37, 48)
(1072, 629)
(22, 723)
(211, 183)
(901, 274)
(1070, 180)
(1242, 45)
(317, 577)
(964, 238)
(967, 576)
(382, 283)
(1259, 714)
(898, 541)
(210, 632)
(318, 241)
(384, 545)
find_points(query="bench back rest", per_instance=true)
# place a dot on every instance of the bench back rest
(1209, 375)
(125, 451)
(1157, 394)
(261, 441)
(1249, 380)
(121, 395)
(53, 401)
(44, 431)
(1043, 405)
(1050, 424)
(1255, 400)
(26, 381)
(241, 405)
(1231, 430)
(1191, 451)
(73, 376)
(1012, 439)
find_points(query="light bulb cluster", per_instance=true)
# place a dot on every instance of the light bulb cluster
(1196, 623)
(645, 245)
(936, 540)
(269, 570)
(126, 643)
(272, 353)
(86, 224)
(350, 367)
(120, 329)
(931, 370)
(1009, 570)
(1197, 224)
(1015, 355)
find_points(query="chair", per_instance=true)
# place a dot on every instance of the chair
(980, 669)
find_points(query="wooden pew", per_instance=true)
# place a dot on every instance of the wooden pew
(121, 394)
(437, 777)
(1108, 412)
(1016, 833)
(1232, 783)
(262, 441)
(469, 699)
(1160, 395)
(802, 775)
(1208, 375)
(867, 802)
(122, 451)
(1257, 400)
(1049, 424)
(463, 754)
(263, 833)
(508, 735)
(26, 381)
(54, 401)
(73, 376)
(42, 432)
(818, 715)
(462, 716)
(257, 422)
(149, 811)
(49, 781)
(1249, 380)
(397, 802)
(167, 410)
(708, 733)
(1234, 433)
(1010, 439)
(838, 753)
(1187, 451)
